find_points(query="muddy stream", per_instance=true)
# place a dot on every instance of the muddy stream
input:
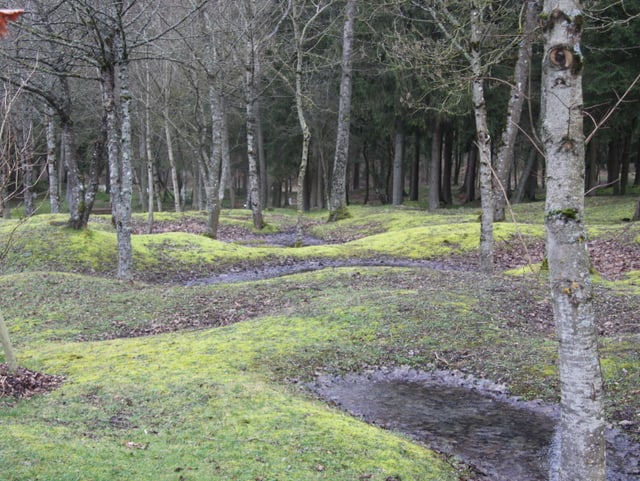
(502, 438)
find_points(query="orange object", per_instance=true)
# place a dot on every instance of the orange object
(8, 16)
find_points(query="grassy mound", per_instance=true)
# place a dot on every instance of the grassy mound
(167, 381)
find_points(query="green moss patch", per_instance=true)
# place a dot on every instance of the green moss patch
(211, 386)
(196, 404)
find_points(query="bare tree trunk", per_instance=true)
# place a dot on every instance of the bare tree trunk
(225, 154)
(304, 127)
(626, 158)
(504, 158)
(483, 143)
(175, 185)
(527, 172)
(414, 191)
(74, 187)
(338, 197)
(140, 180)
(214, 168)
(148, 156)
(613, 165)
(251, 95)
(7, 347)
(96, 165)
(591, 167)
(255, 203)
(582, 424)
(470, 175)
(52, 165)
(119, 155)
(123, 211)
(157, 186)
(435, 166)
(24, 131)
(302, 173)
(150, 196)
(254, 181)
(447, 166)
(5, 208)
(262, 157)
(398, 160)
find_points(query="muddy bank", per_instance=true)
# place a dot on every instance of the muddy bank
(503, 438)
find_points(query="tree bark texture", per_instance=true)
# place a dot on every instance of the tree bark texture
(211, 162)
(299, 36)
(251, 96)
(260, 150)
(96, 166)
(397, 192)
(74, 187)
(483, 143)
(225, 155)
(52, 165)
(7, 347)
(302, 172)
(504, 158)
(24, 133)
(212, 167)
(338, 196)
(525, 177)
(119, 155)
(582, 425)
(125, 187)
(414, 189)
(447, 166)
(148, 154)
(175, 185)
(252, 153)
(435, 167)
(470, 175)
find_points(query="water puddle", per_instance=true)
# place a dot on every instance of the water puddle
(502, 438)
(292, 266)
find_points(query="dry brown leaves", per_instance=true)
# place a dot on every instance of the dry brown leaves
(26, 383)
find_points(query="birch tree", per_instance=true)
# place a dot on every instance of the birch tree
(582, 424)
(251, 92)
(5, 341)
(504, 157)
(470, 47)
(338, 195)
(52, 161)
(111, 50)
(165, 85)
(211, 57)
(303, 16)
(483, 139)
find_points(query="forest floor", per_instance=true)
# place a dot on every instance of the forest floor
(612, 257)
(497, 327)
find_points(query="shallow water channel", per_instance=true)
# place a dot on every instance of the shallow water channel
(502, 438)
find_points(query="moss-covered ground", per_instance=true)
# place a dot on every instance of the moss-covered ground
(168, 381)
